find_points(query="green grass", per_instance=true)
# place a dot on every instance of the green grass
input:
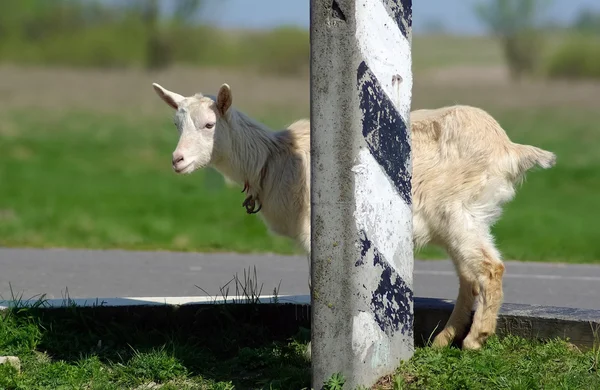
(83, 180)
(507, 363)
(98, 181)
(74, 349)
(222, 349)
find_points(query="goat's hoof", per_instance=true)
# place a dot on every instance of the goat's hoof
(441, 340)
(471, 343)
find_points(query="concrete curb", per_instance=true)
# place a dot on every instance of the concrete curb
(580, 326)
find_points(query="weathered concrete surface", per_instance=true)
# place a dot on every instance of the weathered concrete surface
(362, 250)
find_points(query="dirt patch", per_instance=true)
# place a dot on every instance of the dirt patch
(490, 86)
(130, 90)
(464, 74)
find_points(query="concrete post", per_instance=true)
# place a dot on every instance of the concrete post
(362, 249)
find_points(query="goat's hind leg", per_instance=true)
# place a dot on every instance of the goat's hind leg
(480, 272)
(461, 314)
(490, 272)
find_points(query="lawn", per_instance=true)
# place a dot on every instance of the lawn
(507, 363)
(76, 348)
(81, 179)
(85, 180)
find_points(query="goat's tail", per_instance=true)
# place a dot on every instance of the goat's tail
(525, 157)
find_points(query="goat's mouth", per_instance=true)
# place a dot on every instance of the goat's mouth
(189, 168)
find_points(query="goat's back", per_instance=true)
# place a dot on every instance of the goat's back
(464, 168)
(457, 134)
(460, 136)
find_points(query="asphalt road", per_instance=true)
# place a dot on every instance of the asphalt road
(108, 274)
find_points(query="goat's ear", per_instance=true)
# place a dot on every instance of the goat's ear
(224, 99)
(171, 98)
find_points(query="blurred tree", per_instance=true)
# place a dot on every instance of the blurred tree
(103, 33)
(35, 20)
(159, 53)
(31, 30)
(514, 22)
(32, 19)
(588, 21)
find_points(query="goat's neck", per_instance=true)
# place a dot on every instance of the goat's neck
(242, 147)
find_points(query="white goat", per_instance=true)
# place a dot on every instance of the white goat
(464, 169)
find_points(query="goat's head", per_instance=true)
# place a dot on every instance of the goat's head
(196, 119)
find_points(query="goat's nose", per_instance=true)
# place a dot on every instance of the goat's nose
(177, 158)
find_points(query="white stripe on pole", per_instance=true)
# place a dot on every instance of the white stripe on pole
(386, 51)
(361, 221)
(381, 213)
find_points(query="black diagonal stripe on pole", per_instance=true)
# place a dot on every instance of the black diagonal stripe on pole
(401, 12)
(385, 131)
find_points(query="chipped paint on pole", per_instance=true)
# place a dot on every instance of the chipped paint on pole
(361, 223)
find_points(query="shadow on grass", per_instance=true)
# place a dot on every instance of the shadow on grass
(240, 344)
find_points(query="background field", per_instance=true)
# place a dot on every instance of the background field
(86, 160)
(85, 144)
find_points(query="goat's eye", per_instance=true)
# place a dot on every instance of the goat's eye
(210, 125)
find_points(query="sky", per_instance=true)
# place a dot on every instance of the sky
(456, 15)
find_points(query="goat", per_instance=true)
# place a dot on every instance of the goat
(464, 169)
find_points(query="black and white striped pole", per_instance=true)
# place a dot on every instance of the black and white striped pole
(361, 222)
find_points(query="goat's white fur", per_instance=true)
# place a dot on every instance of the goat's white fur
(464, 169)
